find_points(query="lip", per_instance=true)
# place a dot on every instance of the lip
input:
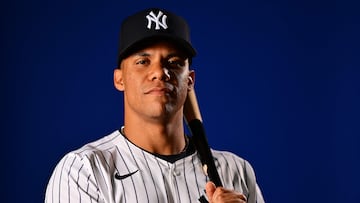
(158, 91)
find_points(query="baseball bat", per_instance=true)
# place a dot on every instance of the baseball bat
(194, 122)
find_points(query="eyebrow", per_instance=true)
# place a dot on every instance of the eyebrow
(177, 54)
(141, 54)
(173, 54)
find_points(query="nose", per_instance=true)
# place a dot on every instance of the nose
(159, 72)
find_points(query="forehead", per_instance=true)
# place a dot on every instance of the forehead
(162, 47)
(167, 45)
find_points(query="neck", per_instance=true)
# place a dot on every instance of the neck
(165, 138)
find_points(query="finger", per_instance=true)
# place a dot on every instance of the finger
(210, 189)
(243, 197)
(225, 195)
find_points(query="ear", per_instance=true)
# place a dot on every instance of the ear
(118, 79)
(191, 80)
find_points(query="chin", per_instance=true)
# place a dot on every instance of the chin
(161, 111)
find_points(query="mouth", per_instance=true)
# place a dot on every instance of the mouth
(158, 91)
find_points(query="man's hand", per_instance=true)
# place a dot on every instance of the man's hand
(222, 195)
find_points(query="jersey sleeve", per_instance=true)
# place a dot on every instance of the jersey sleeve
(72, 181)
(255, 194)
(238, 174)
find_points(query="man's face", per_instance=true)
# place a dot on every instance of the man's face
(155, 81)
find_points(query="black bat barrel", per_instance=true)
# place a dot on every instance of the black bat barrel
(202, 146)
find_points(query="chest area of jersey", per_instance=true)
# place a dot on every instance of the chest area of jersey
(157, 182)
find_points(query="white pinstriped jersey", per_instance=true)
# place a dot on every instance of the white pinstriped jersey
(113, 170)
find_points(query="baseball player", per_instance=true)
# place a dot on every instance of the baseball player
(150, 159)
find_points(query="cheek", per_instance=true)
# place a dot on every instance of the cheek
(131, 80)
(183, 86)
(181, 77)
(130, 87)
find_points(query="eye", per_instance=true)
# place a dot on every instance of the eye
(142, 61)
(176, 62)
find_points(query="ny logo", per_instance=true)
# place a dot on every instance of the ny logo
(151, 17)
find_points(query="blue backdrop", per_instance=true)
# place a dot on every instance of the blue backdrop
(277, 82)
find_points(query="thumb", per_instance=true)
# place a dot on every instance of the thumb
(210, 189)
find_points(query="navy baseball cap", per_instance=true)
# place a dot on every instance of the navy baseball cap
(151, 25)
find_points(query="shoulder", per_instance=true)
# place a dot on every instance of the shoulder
(83, 161)
(82, 169)
(235, 162)
(228, 157)
(242, 169)
(92, 151)
(103, 144)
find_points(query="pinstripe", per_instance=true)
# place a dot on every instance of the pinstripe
(61, 176)
(196, 179)
(77, 182)
(219, 166)
(107, 164)
(132, 180)
(151, 175)
(69, 178)
(164, 179)
(173, 180)
(52, 183)
(95, 178)
(236, 166)
(246, 177)
(134, 159)
(186, 182)
(102, 174)
(177, 189)
(226, 168)
(87, 187)
(222, 167)
(181, 181)
(237, 171)
(117, 170)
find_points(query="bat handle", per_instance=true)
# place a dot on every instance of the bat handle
(191, 107)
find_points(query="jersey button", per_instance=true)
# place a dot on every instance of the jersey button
(176, 173)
